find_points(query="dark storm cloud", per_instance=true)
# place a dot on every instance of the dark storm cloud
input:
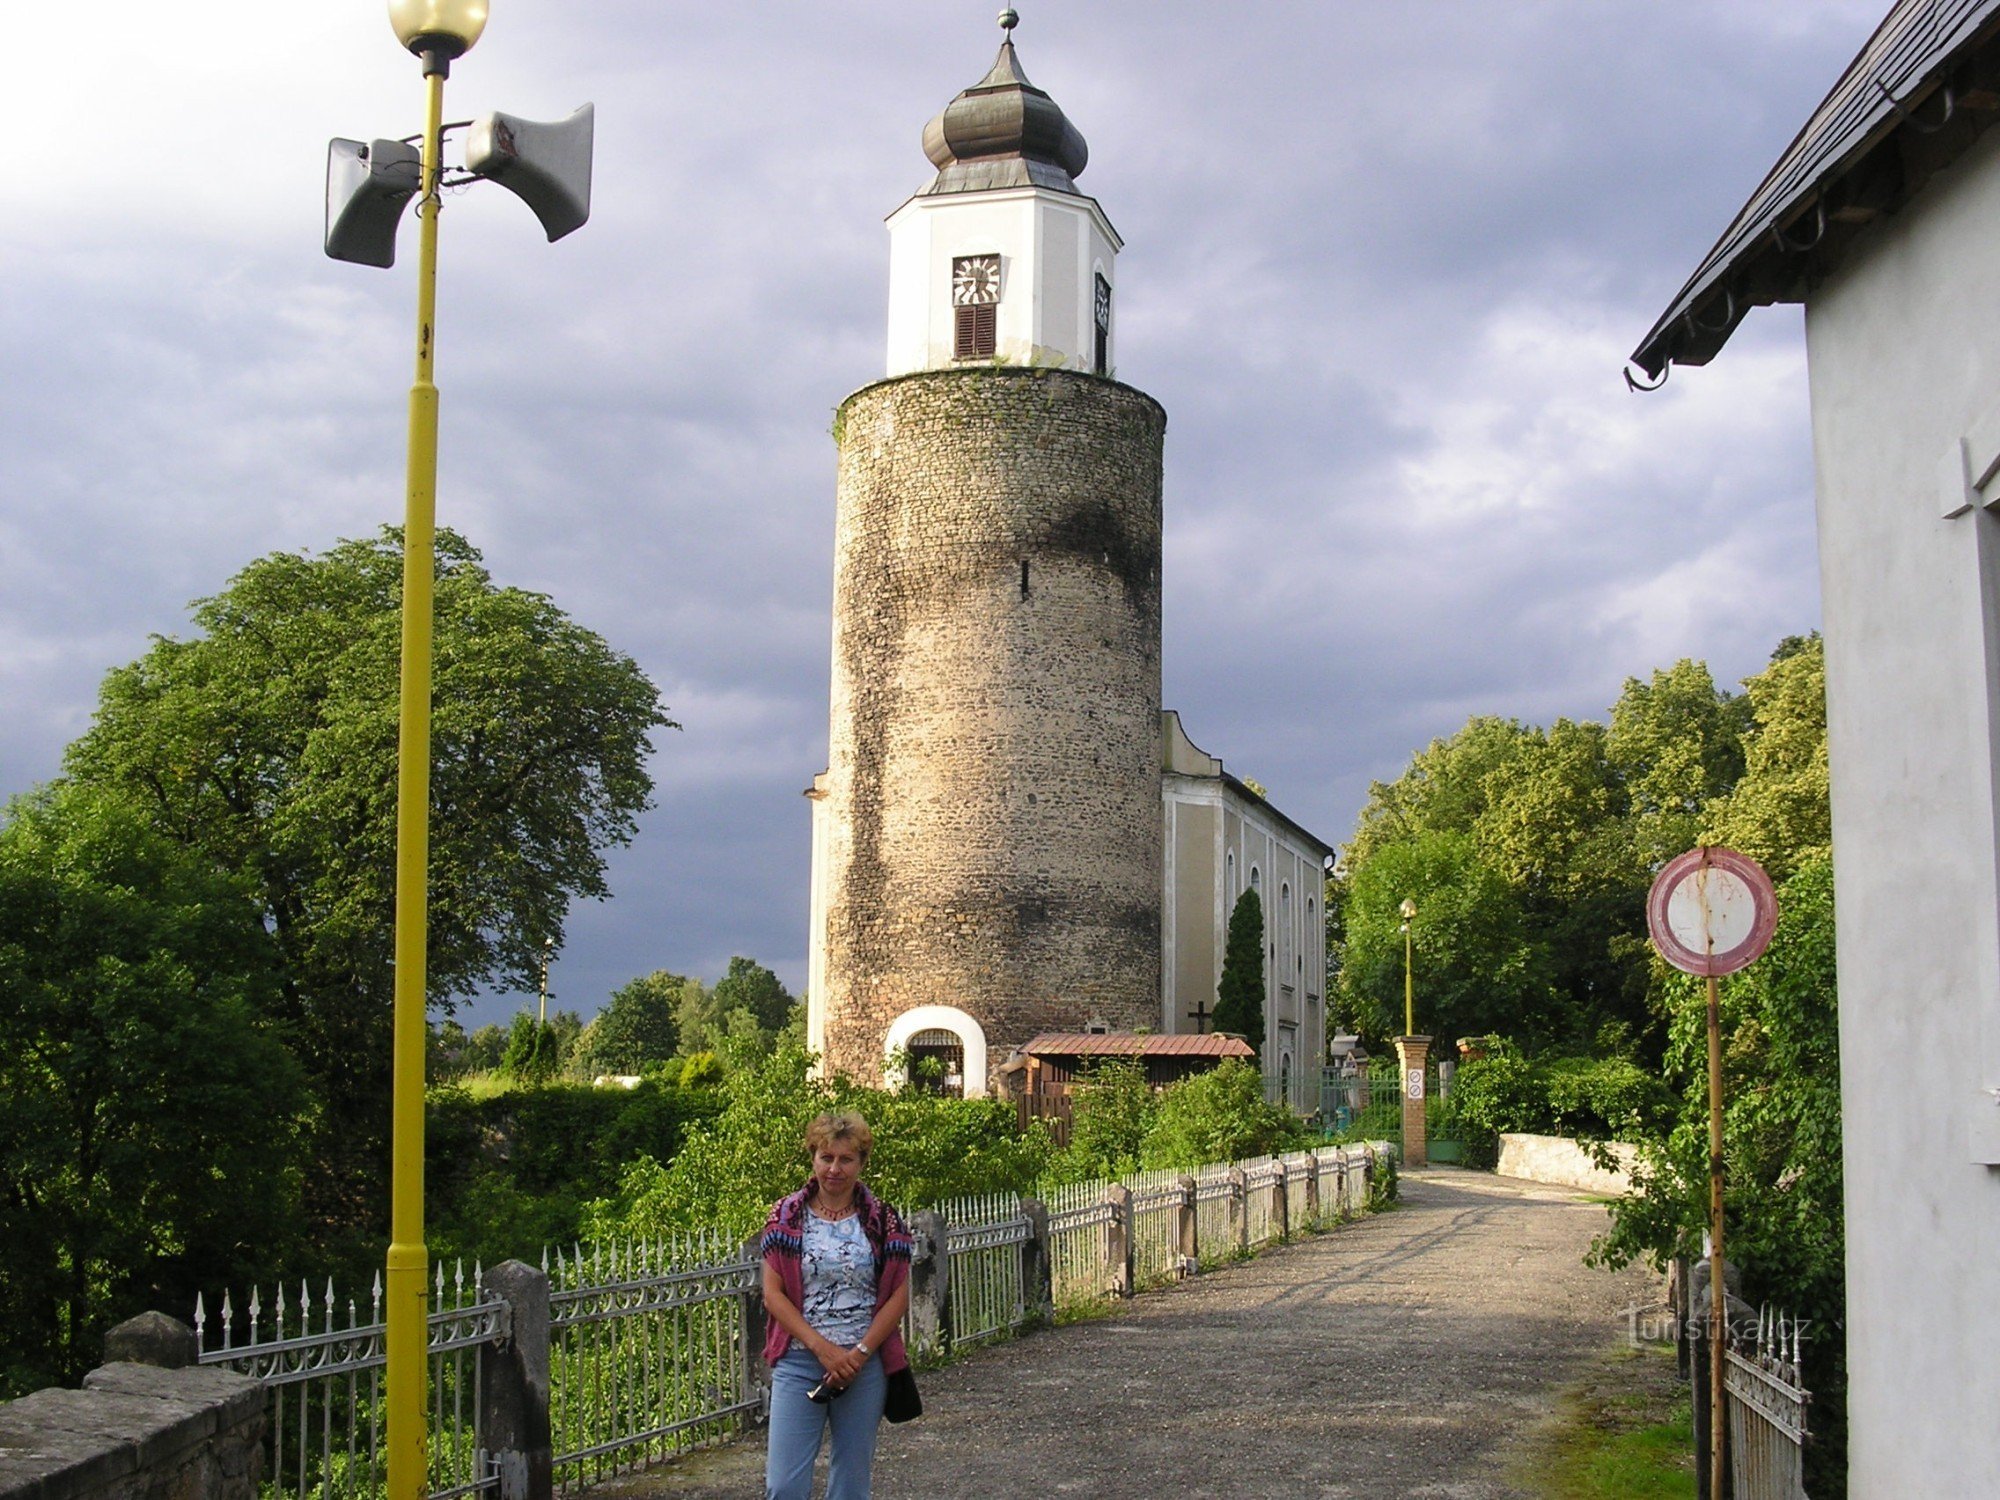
(1383, 263)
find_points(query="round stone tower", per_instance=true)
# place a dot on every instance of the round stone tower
(987, 836)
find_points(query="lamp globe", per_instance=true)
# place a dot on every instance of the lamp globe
(447, 26)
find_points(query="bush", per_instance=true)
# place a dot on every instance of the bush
(510, 1173)
(1220, 1115)
(1585, 1098)
(733, 1166)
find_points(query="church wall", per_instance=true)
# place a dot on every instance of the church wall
(1197, 917)
(993, 795)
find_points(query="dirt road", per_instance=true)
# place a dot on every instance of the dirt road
(1395, 1356)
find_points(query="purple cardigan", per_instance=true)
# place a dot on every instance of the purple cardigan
(783, 1248)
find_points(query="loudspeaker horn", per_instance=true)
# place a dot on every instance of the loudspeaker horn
(367, 185)
(545, 165)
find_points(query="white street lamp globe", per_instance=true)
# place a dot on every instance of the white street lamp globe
(449, 26)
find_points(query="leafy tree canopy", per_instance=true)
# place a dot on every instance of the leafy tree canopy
(636, 1027)
(148, 1139)
(267, 743)
(750, 987)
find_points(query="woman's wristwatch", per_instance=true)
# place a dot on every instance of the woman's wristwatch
(863, 1350)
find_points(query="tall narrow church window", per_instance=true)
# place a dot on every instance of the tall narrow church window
(1103, 361)
(975, 299)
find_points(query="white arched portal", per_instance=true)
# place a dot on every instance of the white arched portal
(943, 1018)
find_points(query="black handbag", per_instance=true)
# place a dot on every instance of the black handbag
(902, 1403)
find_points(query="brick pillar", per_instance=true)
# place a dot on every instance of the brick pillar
(1411, 1052)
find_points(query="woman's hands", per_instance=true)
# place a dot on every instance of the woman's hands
(841, 1364)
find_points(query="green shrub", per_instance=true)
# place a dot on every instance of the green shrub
(1220, 1115)
(1585, 1098)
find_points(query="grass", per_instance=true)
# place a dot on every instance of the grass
(1623, 1432)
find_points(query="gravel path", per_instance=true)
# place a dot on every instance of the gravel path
(1398, 1355)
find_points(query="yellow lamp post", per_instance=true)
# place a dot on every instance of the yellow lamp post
(1409, 911)
(436, 31)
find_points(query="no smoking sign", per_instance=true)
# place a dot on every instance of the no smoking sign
(1711, 911)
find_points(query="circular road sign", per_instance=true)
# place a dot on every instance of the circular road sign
(1711, 911)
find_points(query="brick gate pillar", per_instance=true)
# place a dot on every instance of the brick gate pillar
(1411, 1053)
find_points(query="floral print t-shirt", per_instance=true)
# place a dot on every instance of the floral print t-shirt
(839, 1278)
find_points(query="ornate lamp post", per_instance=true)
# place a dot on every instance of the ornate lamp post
(1409, 911)
(437, 31)
(368, 185)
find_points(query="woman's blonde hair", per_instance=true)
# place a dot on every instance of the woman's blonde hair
(840, 1125)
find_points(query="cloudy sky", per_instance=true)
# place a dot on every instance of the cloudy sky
(1383, 261)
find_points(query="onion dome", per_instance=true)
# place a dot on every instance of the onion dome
(1003, 132)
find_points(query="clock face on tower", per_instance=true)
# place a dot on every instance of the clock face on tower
(975, 280)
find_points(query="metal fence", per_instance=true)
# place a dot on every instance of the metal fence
(648, 1351)
(1766, 1408)
(651, 1345)
(983, 1248)
(323, 1428)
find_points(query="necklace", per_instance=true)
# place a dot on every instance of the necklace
(835, 1215)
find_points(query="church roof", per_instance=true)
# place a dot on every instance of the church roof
(1003, 132)
(1926, 84)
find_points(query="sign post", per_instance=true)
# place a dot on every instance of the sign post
(1712, 911)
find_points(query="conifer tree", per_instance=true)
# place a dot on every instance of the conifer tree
(1239, 1002)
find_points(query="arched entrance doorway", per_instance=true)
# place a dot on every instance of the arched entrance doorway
(945, 1049)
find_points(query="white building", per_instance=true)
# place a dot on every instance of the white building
(1881, 218)
(1223, 839)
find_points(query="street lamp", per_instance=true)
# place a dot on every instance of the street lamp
(368, 185)
(1409, 911)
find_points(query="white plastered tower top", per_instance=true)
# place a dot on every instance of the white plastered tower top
(1000, 258)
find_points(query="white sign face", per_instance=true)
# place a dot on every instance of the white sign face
(1711, 911)
(1413, 1082)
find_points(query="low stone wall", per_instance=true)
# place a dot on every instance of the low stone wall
(1561, 1162)
(136, 1432)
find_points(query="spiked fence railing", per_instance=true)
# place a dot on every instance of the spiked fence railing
(1766, 1405)
(324, 1426)
(648, 1351)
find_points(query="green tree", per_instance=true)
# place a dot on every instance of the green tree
(636, 1027)
(151, 1112)
(267, 742)
(698, 1020)
(1479, 964)
(534, 1051)
(1239, 998)
(751, 988)
(1780, 812)
(1677, 743)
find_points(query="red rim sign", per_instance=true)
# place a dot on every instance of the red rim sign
(1711, 911)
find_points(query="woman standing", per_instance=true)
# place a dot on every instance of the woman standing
(836, 1282)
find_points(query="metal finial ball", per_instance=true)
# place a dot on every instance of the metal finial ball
(1009, 19)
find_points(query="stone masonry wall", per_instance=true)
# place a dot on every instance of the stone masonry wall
(135, 1432)
(994, 777)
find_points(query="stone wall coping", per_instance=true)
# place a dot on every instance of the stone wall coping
(55, 1443)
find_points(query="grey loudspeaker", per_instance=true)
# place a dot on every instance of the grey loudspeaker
(367, 185)
(546, 165)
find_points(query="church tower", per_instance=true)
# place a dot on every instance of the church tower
(987, 839)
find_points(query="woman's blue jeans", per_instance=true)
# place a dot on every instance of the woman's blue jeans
(797, 1426)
